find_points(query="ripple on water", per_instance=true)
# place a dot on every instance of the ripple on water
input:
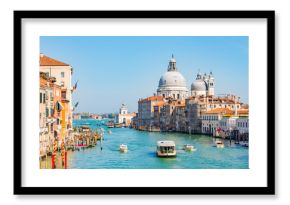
(142, 152)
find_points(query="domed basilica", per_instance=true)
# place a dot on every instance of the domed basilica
(203, 85)
(173, 84)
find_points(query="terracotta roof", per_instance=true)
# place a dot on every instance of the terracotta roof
(243, 112)
(226, 111)
(47, 61)
(152, 98)
(220, 111)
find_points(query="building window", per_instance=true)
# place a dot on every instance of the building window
(46, 112)
(178, 96)
(62, 74)
(63, 94)
(40, 98)
(43, 98)
(61, 83)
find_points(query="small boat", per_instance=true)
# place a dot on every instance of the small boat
(123, 148)
(85, 129)
(245, 144)
(219, 144)
(166, 149)
(189, 147)
(110, 132)
(110, 124)
(118, 125)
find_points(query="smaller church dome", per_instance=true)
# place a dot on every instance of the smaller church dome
(198, 85)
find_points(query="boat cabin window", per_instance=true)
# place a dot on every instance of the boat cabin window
(169, 149)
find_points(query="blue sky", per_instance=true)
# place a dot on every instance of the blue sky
(112, 70)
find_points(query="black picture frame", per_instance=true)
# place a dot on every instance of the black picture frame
(268, 190)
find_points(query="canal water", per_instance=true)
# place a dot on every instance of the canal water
(142, 151)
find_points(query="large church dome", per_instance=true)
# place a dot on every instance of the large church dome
(172, 83)
(172, 79)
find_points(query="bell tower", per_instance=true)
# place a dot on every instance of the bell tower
(211, 84)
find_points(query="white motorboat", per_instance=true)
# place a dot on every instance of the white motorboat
(166, 149)
(189, 147)
(219, 144)
(123, 148)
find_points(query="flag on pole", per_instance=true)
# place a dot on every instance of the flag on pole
(75, 106)
(75, 86)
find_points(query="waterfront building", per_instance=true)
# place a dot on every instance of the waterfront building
(49, 118)
(77, 116)
(172, 116)
(147, 109)
(211, 120)
(223, 121)
(134, 121)
(94, 116)
(226, 125)
(166, 120)
(195, 106)
(55, 103)
(44, 133)
(229, 101)
(123, 117)
(62, 73)
(172, 83)
(85, 115)
(242, 124)
(180, 118)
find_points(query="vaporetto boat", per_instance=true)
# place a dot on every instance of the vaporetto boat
(166, 149)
